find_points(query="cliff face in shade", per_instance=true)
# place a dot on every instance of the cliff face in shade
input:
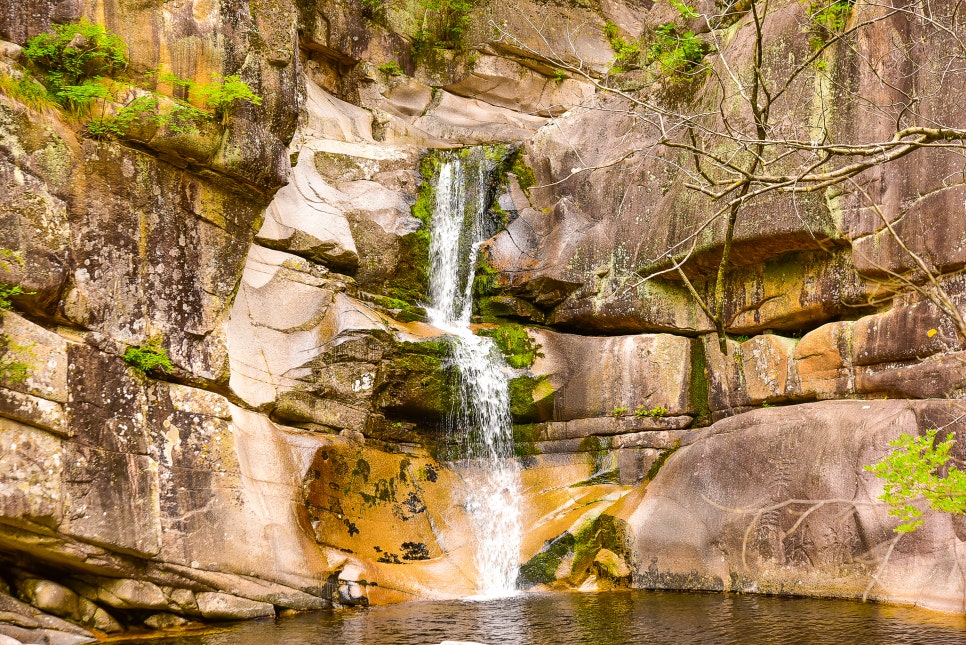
(293, 457)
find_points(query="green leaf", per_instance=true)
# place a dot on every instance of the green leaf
(919, 469)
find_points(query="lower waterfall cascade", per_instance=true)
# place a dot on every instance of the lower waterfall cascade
(480, 424)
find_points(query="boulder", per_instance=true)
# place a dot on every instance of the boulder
(270, 341)
(768, 368)
(121, 593)
(506, 83)
(59, 600)
(473, 121)
(823, 360)
(32, 464)
(305, 218)
(27, 624)
(631, 373)
(221, 606)
(165, 621)
(777, 501)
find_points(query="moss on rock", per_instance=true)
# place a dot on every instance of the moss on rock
(525, 436)
(519, 350)
(542, 568)
(417, 382)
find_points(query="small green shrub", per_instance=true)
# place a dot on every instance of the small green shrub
(831, 14)
(444, 24)
(222, 92)
(146, 109)
(678, 53)
(149, 356)
(610, 31)
(919, 469)
(77, 51)
(9, 291)
(627, 52)
(140, 109)
(827, 18)
(374, 10)
(179, 116)
(618, 412)
(73, 58)
(391, 68)
(656, 412)
(684, 10)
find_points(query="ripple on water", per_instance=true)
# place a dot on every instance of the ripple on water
(613, 618)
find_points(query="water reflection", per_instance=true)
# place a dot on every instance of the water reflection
(615, 618)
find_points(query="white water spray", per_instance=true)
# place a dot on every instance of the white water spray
(482, 418)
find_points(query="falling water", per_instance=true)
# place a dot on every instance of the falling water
(482, 419)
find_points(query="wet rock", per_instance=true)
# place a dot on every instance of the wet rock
(59, 600)
(26, 624)
(220, 606)
(165, 621)
(610, 565)
(417, 383)
(121, 593)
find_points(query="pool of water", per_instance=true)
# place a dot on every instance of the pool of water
(611, 618)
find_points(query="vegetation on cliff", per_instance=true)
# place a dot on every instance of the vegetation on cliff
(149, 357)
(921, 468)
(84, 65)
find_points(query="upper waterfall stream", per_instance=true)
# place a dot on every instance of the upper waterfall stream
(480, 423)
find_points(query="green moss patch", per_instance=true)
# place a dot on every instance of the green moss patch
(542, 568)
(525, 437)
(659, 462)
(519, 350)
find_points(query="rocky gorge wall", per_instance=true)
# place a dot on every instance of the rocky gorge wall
(293, 457)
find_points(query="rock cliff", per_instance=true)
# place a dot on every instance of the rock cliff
(293, 455)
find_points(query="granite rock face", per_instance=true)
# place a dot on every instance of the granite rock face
(798, 515)
(293, 456)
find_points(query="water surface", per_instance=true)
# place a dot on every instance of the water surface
(612, 618)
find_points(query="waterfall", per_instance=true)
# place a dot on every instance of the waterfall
(481, 421)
